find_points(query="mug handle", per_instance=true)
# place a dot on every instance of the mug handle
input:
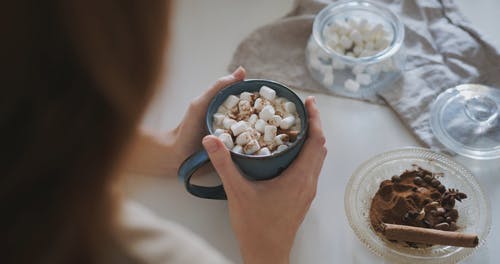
(187, 169)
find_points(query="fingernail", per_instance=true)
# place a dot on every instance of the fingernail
(313, 99)
(210, 144)
(237, 71)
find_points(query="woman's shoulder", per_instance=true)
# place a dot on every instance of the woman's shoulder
(154, 240)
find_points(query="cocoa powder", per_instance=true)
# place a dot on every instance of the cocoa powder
(414, 198)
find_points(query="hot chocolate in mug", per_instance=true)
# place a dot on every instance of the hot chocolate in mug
(253, 167)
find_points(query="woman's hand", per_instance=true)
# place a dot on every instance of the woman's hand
(265, 215)
(160, 154)
(186, 138)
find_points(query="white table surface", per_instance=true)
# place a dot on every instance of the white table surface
(205, 35)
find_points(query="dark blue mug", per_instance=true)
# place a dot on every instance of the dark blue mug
(252, 167)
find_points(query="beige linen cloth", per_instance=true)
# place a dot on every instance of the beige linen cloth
(442, 47)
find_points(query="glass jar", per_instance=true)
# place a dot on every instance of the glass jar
(356, 48)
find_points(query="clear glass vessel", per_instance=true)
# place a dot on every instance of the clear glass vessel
(474, 212)
(334, 69)
(466, 119)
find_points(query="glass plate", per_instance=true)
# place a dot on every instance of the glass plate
(475, 215)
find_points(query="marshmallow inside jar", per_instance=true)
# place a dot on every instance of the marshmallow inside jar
(257, 123)
(356, 48)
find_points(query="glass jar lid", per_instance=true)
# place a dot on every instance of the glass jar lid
(465, 119)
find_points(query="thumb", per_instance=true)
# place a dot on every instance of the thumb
(223, 164)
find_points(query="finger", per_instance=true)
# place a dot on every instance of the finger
(309, 161)
(316, 135)
(197, 108)
(317, 139)
(220, 157)
(311, 157)
(315, 126)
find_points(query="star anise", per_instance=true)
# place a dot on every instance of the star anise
(454, 194)
(449, 197)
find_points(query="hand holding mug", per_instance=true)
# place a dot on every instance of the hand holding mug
(255, 162)
(265, 215)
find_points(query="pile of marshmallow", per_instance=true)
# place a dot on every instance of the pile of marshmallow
(258, 123)
(355, 38)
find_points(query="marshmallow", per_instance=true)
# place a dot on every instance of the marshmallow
(338, 65)
(290, 107)
(228, 122)
(325, 69)
(231, 101)
(339, 49)
(328, 30)
(243, 138)
(227, 140)
(363, 25)
(254, 134)
(251, 147)
(374, 69)
(287, 122)
(281, 139)
(358, 69)
(340, 27)
(333, 39)
(266, 113)
(351, 85)
(315, 63)
(345, 42)
(297, 122)
(358, 50)
(340, 37)
(245, 107)
(352, 22)
(370, 35)
(356, 37)
(263, 151)
(237, 149)
(218, 118)
(267, 93)
(246, 96)
(363, 78)
(269, 133)
(258, 104)
(278, 106)
(260, 125)
(239, 128)
(275, 120)
(219, 131)
(281, 148)
(222, 110)
(379, 28)
(252, 119)
(328, 79)
(280, 100)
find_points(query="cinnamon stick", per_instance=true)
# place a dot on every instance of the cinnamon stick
(428, 236)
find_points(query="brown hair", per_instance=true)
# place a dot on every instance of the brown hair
(77, 77)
